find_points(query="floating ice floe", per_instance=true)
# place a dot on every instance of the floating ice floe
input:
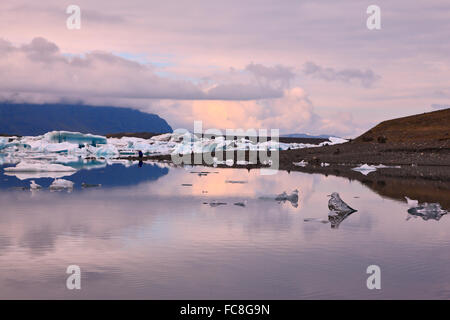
(337, 205)
(293, 197)
(228, 162)
(283, 197)
(24, 166)
(381, 166)
(365, 169)
(333, 141)
(302, 163)
(241, 203)
(74, 137)
(38, 175)
(411, 202)
(61, 184)
(34, 185)
(339, 210)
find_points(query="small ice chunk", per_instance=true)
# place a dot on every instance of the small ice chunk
(412, 203)
(105, 151)
(38, 175)
(87, 185)
(61, 184)
(241, 203)
(365, 169)
(216, 204)
(293, 197)
(34, 185)
(74, 137)
(302, 163)
(381, 166)
(428, 211)
(337, 205)
(283, 197)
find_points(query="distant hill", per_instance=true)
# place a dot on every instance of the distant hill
(430, 126)
(304, 135)
(36, 119)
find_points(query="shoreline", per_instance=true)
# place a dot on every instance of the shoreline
(424, 172)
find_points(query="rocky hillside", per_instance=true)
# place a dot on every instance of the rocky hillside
(426, 127)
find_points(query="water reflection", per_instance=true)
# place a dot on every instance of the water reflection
(114, 175)
(427, 211)
(336, 218)
(146, 236)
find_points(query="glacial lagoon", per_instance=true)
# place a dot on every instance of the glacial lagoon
(154, 231)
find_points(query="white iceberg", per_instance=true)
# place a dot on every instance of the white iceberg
(24, 166)
(38, 175)
(382, 166)
(61, 184)
(427, 211)
(293, 197)
(335, 140)
(302, 163)
(34, 185)
(283, 197)
(74, 137)
(411, 202)
(106, 151)
(365, 169)
(336, 205)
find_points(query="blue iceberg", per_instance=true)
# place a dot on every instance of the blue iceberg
(74, 137)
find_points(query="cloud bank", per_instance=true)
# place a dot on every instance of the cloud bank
(256, 96)
(364, 77)
(41, 67)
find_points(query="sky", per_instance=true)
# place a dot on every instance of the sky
(300, 66)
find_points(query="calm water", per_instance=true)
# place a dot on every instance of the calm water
(144, 235)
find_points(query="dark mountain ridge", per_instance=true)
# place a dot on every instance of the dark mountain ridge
(36, 119)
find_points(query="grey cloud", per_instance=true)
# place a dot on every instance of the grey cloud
(281, 74)
(102, 74)
(365, 77)
(102, 17)
(243, 92)
(42, 50)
